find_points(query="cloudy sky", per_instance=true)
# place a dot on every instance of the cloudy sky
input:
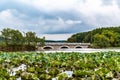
(58, 19)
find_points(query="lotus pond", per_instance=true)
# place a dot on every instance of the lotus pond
(59, 66)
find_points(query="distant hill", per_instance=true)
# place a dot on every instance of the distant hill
(100, 37)
(55, 41)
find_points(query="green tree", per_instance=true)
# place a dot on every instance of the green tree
(100, 41)
(16, 37)
(117, 40)
(31, 38)
(14, 40)
(110, 35)
(40, 41)
(6, 35)
(12, 37)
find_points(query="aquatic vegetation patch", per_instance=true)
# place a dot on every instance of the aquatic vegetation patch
(59, 66)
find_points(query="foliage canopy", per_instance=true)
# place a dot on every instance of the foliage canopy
(100, 37)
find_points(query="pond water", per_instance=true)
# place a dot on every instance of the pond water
(82, 50)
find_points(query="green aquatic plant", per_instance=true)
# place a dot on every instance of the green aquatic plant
(88, 66)
(62, 76)
(4, 73)
(53, 71)
(31, 69)
(82, 74)
(44, 77)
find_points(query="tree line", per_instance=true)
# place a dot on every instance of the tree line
(99, 38)
(14, 40)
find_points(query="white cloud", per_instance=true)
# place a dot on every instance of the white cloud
(58, 24)
(98, 14)
(15, 20)
(51, 5)
(89, 12)
(56, 36)
(7, 19)
(73, 22)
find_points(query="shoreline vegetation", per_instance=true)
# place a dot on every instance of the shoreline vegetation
(14, 40)
(59, 66)
(99, 38)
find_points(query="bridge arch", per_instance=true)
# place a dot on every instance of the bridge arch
(78, 47)
(64, 47)
(47, 47)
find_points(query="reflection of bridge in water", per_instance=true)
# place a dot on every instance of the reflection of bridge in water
(58, 46)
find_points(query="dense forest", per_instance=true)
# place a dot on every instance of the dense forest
(99, 38)
(14, 40)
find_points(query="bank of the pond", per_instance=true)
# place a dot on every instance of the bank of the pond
(59, 66)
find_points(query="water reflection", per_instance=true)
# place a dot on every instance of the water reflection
(82, 50)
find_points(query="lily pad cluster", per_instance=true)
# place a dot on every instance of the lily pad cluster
(54, 66)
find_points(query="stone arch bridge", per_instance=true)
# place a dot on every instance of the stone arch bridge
(59, 46)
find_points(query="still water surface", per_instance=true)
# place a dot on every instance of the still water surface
(83, 50)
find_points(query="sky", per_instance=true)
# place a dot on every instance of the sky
(58, 19)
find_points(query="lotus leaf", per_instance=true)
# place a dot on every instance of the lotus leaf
(45, 77)
(109, 75)
(62, 76)
(31, 69)
(89, 66)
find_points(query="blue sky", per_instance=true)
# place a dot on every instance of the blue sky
(58, 19)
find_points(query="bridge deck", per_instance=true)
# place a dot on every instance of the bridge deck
(57, 46)
(69, 44)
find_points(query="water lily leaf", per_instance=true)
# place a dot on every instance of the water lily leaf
(109, 75)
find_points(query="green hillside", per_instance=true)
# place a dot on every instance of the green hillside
(99, 38)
